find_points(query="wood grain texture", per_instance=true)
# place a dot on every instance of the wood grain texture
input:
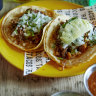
(13, 83)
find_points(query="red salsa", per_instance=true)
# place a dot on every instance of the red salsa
(92, 83)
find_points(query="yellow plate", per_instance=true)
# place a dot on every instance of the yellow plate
(16, 57)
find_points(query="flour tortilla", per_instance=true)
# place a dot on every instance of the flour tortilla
(16, 14)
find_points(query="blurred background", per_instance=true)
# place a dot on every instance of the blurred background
(19, 2)
(80, 2)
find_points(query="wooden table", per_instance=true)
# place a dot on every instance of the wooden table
(13, 83)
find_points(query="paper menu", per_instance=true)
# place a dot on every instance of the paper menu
(34, 61)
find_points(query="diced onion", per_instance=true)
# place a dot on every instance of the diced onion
(32, 21)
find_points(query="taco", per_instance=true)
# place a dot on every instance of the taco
(70, 41)
(24, 26)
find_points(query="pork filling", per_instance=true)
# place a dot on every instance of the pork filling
(28, 29)
(75, 48)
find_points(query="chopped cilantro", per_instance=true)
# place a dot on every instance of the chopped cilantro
(53, 45)
(63, 25)
(60, 58)
(16, 32)
(33, 25)
(92, 42)
(28, 33)
(33, 16)
(72, 52)
(27, 11)
(29, 18)
(33, 33)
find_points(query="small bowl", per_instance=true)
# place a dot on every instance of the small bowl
(64, 93)
(87, 74)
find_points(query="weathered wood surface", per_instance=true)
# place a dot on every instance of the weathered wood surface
(13, 83)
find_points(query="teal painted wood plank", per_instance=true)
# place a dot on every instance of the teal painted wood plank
(92, 2)
(83, 2)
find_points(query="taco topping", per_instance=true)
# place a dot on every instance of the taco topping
(30, 26)
(73, 38)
